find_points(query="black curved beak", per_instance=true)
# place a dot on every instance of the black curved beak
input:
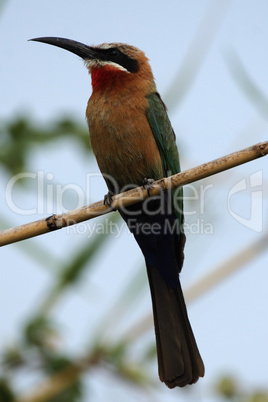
(81, 50)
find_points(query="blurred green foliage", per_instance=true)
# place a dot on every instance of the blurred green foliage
(231, 390)
(6, 393)
(74, 391)
(18, 138)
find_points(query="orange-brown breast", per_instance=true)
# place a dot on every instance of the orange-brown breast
(120, 135)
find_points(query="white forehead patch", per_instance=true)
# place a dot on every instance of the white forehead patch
(108, 45)
(100, 63)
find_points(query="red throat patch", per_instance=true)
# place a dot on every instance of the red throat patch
(105, 76)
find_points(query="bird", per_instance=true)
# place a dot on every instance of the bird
(134, 143)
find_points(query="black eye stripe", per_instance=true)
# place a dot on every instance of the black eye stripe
(116, 56)
(113, 52)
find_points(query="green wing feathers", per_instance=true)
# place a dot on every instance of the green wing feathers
(163, 134)
(166, 142)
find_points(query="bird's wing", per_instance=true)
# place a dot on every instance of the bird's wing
(166, 142)
(163, 134)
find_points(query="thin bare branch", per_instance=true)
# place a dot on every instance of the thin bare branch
(91, 211)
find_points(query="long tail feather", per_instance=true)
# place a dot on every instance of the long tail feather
(179, 361)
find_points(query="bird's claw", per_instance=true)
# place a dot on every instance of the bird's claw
(147, 184)
(108, 199)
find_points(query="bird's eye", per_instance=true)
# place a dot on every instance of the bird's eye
(113, 52)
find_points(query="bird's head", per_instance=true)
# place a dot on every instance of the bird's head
(109, 63)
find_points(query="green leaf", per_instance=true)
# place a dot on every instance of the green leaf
(72, 270)
(6, 393)
(72, 392)
(259, 397)
(227, 387)
(40, 332)
(12, 358)
(19, 137)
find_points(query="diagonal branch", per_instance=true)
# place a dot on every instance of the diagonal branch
(91, 211)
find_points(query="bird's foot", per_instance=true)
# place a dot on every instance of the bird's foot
(108, 199)
(147, 184)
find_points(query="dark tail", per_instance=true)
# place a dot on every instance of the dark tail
(179, 361)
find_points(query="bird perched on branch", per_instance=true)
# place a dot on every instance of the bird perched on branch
(133, 141)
